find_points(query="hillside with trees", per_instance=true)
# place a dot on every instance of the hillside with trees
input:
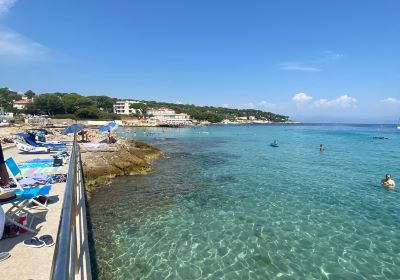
(61, 105)
(76, 106)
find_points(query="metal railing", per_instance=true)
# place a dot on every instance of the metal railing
(71, 258)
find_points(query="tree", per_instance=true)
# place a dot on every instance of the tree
(29, 94)
(103, 102)
(140, 109)
(69, 102)
(7, 98)
(72, 102)
(88, 113)
(83, 101)
(31, 109)
(48, 103)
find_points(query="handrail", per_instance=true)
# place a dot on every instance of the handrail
(71, 254)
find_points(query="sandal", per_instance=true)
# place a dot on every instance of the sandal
(4, 256)
(47, 239)
(34, 242)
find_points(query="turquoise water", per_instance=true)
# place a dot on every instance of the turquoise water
(226, 205)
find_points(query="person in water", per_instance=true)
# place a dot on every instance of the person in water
(321, 148)
(388, 182)
(276, 142)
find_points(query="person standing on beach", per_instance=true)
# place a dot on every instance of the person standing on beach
(109, 137)
(321, 148)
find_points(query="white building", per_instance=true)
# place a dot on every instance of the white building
(123, 107)
(21, 104)
(168, 116)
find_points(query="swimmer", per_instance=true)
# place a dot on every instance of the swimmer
(388, 182)
(321, 148)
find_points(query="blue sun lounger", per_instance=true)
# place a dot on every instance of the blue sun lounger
(21, 203)
(28, 139)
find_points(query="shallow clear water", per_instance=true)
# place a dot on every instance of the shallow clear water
(227, 205)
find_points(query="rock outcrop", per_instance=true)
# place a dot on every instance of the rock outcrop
(126, 157)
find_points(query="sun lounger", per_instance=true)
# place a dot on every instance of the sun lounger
(53, 146)
(21, 204)
(26, 148)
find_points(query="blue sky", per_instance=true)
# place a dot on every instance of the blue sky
(313, 60)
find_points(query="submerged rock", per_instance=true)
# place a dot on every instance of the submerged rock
(126, 157)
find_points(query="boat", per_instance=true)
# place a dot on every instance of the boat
(398, 125)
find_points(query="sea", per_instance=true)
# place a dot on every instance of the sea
(224, 204)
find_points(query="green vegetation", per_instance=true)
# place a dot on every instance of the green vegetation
(7, 97)
(74, 105)
(210, 113)
(60, 105)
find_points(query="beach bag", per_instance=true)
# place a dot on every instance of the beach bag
(7, 196)
(57, 162)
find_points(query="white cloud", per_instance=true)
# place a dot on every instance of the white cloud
(329, 56)
(15, 47)
(298, 67)
(301, 97)
(390, 100)
(266, 105)
(5, 5)
(343, 101)
(314, 64)
(249, 105)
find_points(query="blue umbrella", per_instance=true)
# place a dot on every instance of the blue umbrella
(76, 127)
(110, 126)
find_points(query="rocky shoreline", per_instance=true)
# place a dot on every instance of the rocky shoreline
(126, 157)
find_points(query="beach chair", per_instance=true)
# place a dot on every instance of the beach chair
(26, 148)
(53, 146)
(21, 204)
(15, 171)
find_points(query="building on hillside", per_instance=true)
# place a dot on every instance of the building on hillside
(21, 104)
(123, 107)
(168, 116)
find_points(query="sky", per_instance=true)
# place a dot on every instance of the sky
(316, 61)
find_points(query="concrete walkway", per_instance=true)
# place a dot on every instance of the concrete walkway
(33, 263)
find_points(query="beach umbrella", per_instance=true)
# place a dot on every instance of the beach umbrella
(109, 126)
(74, 128)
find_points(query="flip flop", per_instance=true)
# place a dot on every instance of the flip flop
(34, 242)
(47, 239)
(4, 256)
